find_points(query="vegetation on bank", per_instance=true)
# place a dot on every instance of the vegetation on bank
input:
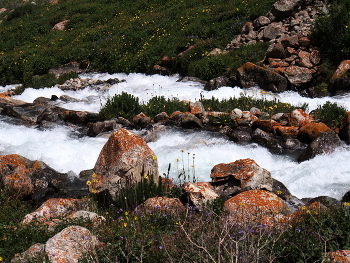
(124, 36)
(180, 236)
(127, 106)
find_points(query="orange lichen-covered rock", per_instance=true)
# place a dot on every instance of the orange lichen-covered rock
(69, 245)
(125, 158)
(53, 208)
(33, 179)
(339, 256)
(164, 204)
(286, 131)
(254, 207)
(312, 130)
(199, 193)
(196, 107)
(15, 173)
(141, 119)
(299, 118)
(265, 125)
(244, 172)
(34, 252)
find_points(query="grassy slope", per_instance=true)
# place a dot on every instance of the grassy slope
(119, 36)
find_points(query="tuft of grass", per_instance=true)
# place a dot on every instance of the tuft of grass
(330, 113)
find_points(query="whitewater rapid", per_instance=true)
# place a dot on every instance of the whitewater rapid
(62, 149)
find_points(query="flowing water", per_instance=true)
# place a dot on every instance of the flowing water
(195, 152)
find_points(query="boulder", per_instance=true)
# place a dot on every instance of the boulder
(196, 107)
(325, 143)
(35, 180)
(71, 244)
(190, 121)
(60, 26)
(283, 9)
(298, 76)
(286, 132)
(344, 130)
(268, 140)
(160, 117)
(241, 135)
(340, 79)
(265, 125)
(124, 159)
(199, 194)
(141, 120)
(260, 22)
(275, 51)
(339, 256)
(242, 175)
(273, 30)
(311, 131)
(53, 208)
(299, 118)
(153, 134)
(254, 207)
(102, 126)
(162, 204)
(35, 252)
(217, 83)
(251, 75)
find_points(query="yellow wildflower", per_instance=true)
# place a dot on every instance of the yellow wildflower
(94, 180)
(93, 191)
(154, 157)
(126, 213)
(125, 224)
(88, 183)
(1, 259)
(135, 218)
(94, 175)
(347, 204)
(303, 207)
(279, 192)
(145, 176)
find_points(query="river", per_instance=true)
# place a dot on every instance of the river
(62, 148)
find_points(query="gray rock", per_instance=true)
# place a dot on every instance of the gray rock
(251, 75)
(325, 143)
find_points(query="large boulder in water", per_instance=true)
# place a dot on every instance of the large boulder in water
(251, 75)
(325, 143)
(124, 160)
(35, 180)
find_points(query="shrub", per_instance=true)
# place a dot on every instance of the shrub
(330, 113)
(121, 105)
(332, 31)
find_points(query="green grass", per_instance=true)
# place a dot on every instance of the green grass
(190, 236)
(124, 36)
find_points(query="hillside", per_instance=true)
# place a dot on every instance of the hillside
(123, 36)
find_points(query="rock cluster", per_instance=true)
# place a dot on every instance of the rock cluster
(78, 84)
(291, 62)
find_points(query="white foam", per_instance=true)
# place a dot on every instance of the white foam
(323, 175)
